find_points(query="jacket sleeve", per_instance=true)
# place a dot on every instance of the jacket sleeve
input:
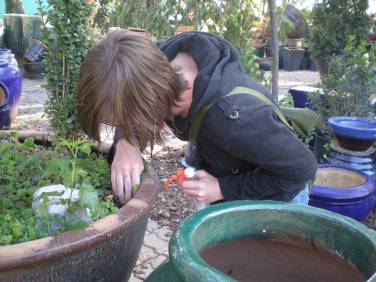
(283, 163)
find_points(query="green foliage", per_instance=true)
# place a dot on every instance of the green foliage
(333, 21)
(14, 7)
(287, 101)
(26, 166)
(102, 17)
(232, 19)
(349, 85)
(67, 32)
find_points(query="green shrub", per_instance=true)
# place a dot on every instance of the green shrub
(349, 84)
(231, 19)
(67, 32)
(333, 21)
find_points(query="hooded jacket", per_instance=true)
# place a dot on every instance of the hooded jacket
(241, 141)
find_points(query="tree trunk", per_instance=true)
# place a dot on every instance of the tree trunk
(273, 19)
(14, 7)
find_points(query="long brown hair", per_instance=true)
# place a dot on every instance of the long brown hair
(127, 77)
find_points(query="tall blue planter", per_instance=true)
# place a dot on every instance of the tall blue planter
(10, 88)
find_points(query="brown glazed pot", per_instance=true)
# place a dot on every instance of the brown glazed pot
(107, 250)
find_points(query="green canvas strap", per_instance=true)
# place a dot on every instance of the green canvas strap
(197, 120)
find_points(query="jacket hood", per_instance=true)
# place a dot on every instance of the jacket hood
(219, 69)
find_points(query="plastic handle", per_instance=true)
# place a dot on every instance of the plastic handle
(178, 177)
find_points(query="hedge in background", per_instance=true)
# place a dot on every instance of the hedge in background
(67, 32)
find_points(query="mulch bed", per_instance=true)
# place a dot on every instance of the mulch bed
(173, 206)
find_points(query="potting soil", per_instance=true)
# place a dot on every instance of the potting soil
(279, 260)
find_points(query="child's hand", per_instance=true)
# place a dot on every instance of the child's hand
(126, 169)
(204, 187)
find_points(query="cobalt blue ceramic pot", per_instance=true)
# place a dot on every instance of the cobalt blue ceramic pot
(300, 95)
(353, 133)
(10, 88)
(344, 190)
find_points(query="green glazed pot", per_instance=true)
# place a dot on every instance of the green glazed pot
(262, 220)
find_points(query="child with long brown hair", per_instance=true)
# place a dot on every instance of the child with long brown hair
(243, 150)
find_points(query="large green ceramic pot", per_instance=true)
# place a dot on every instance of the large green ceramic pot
(263, 220)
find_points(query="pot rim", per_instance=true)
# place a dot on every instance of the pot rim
(72, 242)
(341, 126)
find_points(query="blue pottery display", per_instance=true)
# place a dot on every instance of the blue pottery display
(10, 88)
(344, 190)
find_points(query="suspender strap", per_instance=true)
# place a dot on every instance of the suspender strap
(197, 120)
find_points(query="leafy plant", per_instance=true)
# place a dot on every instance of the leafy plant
(287, 101)
(67, 32)
(349, 85)
(333, 21)
(231, 19)
(14, 7)
(27, 166)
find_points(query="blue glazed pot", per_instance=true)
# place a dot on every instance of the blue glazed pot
(300, 95)
(10, 88)
(354, 127)
(344, 190)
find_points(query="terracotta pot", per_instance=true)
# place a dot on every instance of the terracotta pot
(107, 250)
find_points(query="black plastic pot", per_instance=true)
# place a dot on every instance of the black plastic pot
(319, 146)
(292, 58)
(311, 64)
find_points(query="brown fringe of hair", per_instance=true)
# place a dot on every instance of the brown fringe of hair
(127, 77)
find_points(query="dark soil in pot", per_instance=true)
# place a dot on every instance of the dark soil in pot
(279, 260)
(354, 144)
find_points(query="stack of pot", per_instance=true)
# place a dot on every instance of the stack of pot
(293, 54)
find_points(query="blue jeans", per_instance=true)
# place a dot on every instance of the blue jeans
(302, 198)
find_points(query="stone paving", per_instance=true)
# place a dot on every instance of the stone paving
(155, 248)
